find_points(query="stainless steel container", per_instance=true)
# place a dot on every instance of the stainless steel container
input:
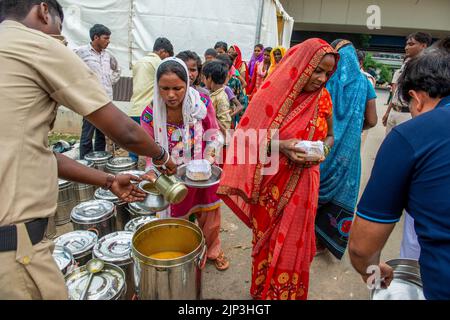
(169, 279)
(154, 201)
(136, 223)
(122, 215)
(79, 243)
(173, 191)
(99, 158)
(84, 192)
(115, 248)
(95, 215)
(64, 259)
(66, 202)
(406, 285)
(109, 284)
(120, 164)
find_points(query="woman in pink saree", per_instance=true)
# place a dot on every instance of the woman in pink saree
(179, 119)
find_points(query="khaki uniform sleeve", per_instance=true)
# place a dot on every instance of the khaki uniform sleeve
(68, 80)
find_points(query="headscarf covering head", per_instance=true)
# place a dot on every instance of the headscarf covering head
(193, 109)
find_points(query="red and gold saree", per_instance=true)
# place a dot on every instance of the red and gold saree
(281, 208)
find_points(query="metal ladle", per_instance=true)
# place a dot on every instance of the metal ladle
(93, 266)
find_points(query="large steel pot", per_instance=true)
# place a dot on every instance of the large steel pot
(79, 243)
(109, 284)
(95, 215)
(99, 158)
(122, 214)
(84, 192)
(136, 223)
(120, 164)
(64, 259)
(66, 202)
(406, 285)
(169, 279)
(115, 248)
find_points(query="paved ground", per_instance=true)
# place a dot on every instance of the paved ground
(330, 279)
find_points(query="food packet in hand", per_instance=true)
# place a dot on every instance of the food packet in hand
(313, 149)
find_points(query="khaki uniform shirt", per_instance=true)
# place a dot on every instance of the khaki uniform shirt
(222, 106)
(144, 77)
(38, 73)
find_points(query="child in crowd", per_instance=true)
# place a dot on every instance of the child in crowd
(234, 83)
(215, 76)
(210, 55)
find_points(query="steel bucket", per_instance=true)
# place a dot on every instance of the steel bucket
(66, 202)
(169, 279)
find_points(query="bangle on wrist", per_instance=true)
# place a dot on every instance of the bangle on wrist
(164, 164)
(161, 155)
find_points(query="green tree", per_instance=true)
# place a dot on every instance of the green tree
(385, 72)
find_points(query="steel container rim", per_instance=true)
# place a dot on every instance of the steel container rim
(138, 257)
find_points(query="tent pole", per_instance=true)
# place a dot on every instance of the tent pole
(130, 34)
(259, 22)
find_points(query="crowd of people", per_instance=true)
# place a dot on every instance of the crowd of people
(314, 92)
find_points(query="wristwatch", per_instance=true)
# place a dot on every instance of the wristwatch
(109, 181)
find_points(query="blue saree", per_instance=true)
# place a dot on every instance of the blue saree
(341, 172)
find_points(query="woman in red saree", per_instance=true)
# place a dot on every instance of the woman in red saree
(281, 208)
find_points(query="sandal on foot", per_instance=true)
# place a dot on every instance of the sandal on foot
(222, 262)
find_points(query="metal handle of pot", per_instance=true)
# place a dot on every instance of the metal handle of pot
(95, 231)
(201, 261)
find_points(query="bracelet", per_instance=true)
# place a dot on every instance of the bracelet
(109, 181)
(326, 149)
(164, 164)
(161, 155)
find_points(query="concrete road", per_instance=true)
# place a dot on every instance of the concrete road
(330, 279)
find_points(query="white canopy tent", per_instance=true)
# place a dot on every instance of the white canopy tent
(190, 24)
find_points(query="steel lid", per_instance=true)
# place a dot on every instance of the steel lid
(136, 223)
(78, 242)
(63, 183)
(137, 209)
(121, 163)
(63, 257)
(102, 194)
(114, 248)
(86, 163)
(109, 284)
(98, 156)
(92, 211)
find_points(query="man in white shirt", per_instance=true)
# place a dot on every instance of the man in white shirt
(105, 66)
(398, 112)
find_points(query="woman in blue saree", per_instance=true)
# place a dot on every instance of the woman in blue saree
(354, 109)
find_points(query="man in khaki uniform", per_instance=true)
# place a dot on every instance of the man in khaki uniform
(38, 74)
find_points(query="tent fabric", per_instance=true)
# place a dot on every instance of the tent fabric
(189, 24)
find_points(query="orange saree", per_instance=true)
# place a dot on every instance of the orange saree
(280, 208)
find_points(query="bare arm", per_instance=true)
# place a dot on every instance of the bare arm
(243, 82)
(71, 170)
(329, 140)
(126, 133)
(370, 116)
(367, 240)
(238, 107)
